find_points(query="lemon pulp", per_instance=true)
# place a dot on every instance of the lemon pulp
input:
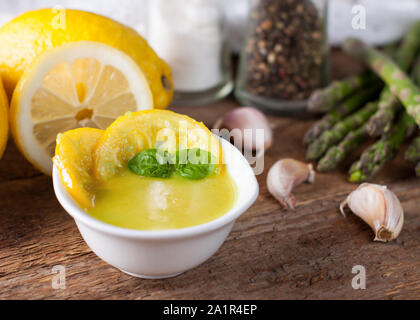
(77, 96)
(130, 201)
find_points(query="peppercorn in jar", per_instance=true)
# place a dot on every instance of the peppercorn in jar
(284, 57)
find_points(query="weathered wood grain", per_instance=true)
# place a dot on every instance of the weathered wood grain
(270, 254)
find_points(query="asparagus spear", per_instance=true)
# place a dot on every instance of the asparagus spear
(415, 73)
(413, 151)
(380, 152)
(411, 127)
(409, 46)
(324, 100)
(330, 137)
(339, 152)
(381, 121)
(347, 107)
(400, 84)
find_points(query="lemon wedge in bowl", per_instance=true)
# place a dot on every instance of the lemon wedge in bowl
(81, 84)
(138, 131)
(73, 159)
(87, 157)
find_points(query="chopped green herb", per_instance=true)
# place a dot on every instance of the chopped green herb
(152, 163)
(194, 163)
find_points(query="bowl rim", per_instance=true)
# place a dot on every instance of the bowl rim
(79, 215)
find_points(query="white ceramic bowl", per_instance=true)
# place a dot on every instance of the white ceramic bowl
(155, 254)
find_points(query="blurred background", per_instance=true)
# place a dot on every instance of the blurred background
(198, 37)
(386, 20)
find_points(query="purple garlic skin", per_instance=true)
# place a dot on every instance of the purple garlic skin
(379, 207)
(243, 118)
(286, 174)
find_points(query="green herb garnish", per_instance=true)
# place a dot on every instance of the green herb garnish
(193, 164)
(152, 163)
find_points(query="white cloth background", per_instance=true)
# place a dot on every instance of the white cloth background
(386, 20)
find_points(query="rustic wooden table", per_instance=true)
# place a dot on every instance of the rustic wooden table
(270, 254)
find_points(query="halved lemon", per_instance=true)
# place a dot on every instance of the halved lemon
(4, 119)
(73, 159)
(82, 84)
(137, 131)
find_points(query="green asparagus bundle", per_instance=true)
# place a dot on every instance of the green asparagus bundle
(351, 142)
(338, 153)
(330, 137)
(380, 152)
(413, 151)
(347, 107)
(388, 103)
(381, 121)
(399, 82)
(324, 100)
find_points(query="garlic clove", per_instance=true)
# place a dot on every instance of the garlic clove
(284, 175)
(247, 118)
(379, 207)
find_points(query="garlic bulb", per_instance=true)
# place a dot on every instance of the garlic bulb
(284, 175)
(379, 207)
(251, 119)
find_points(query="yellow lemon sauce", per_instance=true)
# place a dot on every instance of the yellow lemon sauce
(144, 203)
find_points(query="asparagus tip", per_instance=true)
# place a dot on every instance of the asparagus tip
(372, 127)
(357, 176)
(311, 154)
(317, 102)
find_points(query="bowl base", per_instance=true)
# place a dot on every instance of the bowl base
(150, 277)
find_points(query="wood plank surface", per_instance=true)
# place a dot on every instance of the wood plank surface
(270, 254)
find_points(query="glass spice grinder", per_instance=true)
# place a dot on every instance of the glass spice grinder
(285, 54)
